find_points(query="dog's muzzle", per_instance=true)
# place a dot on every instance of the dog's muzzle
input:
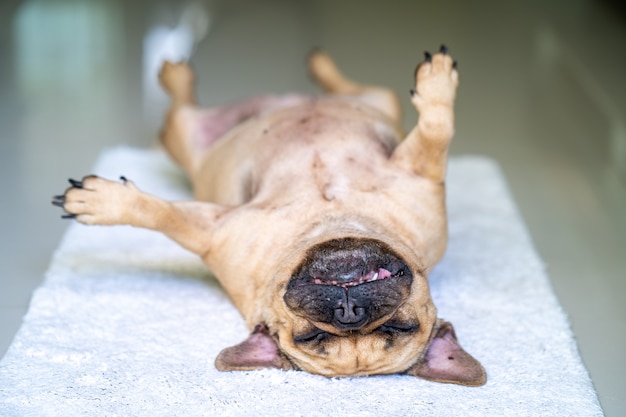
(349, 283)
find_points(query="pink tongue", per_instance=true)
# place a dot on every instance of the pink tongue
(383, 273)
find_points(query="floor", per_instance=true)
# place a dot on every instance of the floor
(541, 91)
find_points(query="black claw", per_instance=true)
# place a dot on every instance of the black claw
(427, 56)
(123, 178)
(412, 92)
(455, 65)
(443, 49)
(58, 200)
(69, 216)
(77, 184)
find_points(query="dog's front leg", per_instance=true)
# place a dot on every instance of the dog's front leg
(94, 200)
(425, 149)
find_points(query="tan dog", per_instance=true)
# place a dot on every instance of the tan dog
(319, 221)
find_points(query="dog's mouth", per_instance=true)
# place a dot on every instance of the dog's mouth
(349, 283)
(372, 276)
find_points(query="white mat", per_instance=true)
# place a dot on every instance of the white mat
(127, 323)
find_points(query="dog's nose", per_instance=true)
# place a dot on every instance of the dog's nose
(349, 316)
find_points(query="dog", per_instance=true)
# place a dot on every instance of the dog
(318, 215)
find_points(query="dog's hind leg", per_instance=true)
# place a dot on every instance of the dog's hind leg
(189, 131)
(328, 76)
(177, 134)
(425, 149)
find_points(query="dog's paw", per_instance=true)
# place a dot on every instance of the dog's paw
(176, 78)
(94, 200)
(436, 80)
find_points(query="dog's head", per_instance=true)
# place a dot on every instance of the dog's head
(354, 306)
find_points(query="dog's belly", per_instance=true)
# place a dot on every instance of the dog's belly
(327, 143)
(302, 175)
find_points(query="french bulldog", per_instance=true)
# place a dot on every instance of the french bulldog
(318, 215)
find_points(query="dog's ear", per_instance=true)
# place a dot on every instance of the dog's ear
(259, 350)
(446, 361)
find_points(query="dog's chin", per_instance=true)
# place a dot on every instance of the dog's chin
(348, 284)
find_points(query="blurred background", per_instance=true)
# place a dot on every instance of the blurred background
(542, 92)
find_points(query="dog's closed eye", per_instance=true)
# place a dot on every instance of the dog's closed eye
(391, 328)
(315, 335)
(394, 327)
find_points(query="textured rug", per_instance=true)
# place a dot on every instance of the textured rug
(127, 323)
